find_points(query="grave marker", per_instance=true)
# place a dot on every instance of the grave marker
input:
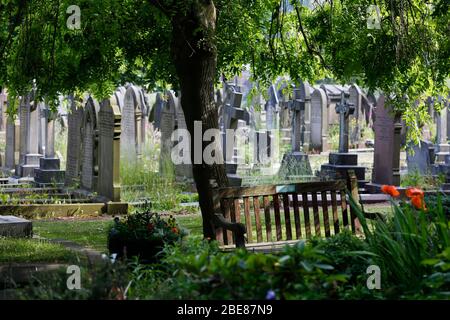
(109, 120)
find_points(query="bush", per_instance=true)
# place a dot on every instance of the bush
(198, 269)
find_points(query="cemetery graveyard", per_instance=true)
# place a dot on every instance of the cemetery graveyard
(307, 161)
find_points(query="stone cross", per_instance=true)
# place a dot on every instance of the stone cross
(344, 109)
(298, 107)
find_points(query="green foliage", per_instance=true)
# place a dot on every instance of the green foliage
(422, 181)
(402, 244)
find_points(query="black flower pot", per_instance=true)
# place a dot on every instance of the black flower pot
(145, 249)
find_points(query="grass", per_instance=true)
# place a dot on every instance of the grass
(21, 250)
(90, 234)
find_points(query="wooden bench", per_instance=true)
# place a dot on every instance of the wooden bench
(308, 209)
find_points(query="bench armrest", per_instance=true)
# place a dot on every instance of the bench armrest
(238, 229)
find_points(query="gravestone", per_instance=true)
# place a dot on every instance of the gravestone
(12, 143)
(74, 125)
(49, 171)
(11, 226)
(319, 121)
(272, 109)
(181, 170)
(356, 98)
(157, 110)
(109, 120)
(342, 161)
(131, 137)
(418, 158)
(167, 126)
(234, 117)
(120, 96)
(32, 155)
(443, 148)
(24, 114)
(386, 161)
(333, 93)
(296, 162)
(89, 145)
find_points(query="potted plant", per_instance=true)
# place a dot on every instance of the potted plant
(142, 234)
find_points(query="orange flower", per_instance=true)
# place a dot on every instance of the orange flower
(418, 203)
(414, 192)
(390, 190)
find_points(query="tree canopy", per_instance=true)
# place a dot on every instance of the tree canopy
(131, 41)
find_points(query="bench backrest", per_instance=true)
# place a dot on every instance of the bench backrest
(270, 212)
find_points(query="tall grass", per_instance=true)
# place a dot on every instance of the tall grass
(142, 178)
(405, 241)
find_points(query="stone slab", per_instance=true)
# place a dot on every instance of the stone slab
(11, 226)
(49, 163)
(347, 159)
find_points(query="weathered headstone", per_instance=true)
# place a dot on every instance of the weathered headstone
(12, 143)
(167, 126)
(32, 155)
(73, 162)
(89, 146)
(131, 146)
(386, 162)
(333, 93)
(357, 99)
(443, 148)
(109, 120)
(233, 117)
(181, 170)
(272, 109)
(342, 161)
(319, 121)
(296, 162)
(49, 171)
(418, 158)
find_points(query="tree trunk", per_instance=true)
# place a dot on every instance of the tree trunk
(195, 58)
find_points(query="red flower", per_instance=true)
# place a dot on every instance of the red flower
(150, 227)
(416, 195)
(175, 230)
(414, 192)
(390, 190)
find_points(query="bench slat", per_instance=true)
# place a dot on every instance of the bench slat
(248, 219)
(228, 235)
(335, 212)
(256, 208)
(287, 216)
(298, 229)
(316, 215)
(344, 209)
(326, 220)
(306, 214)
(276, 209)
(267, 218)
(236, 210)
